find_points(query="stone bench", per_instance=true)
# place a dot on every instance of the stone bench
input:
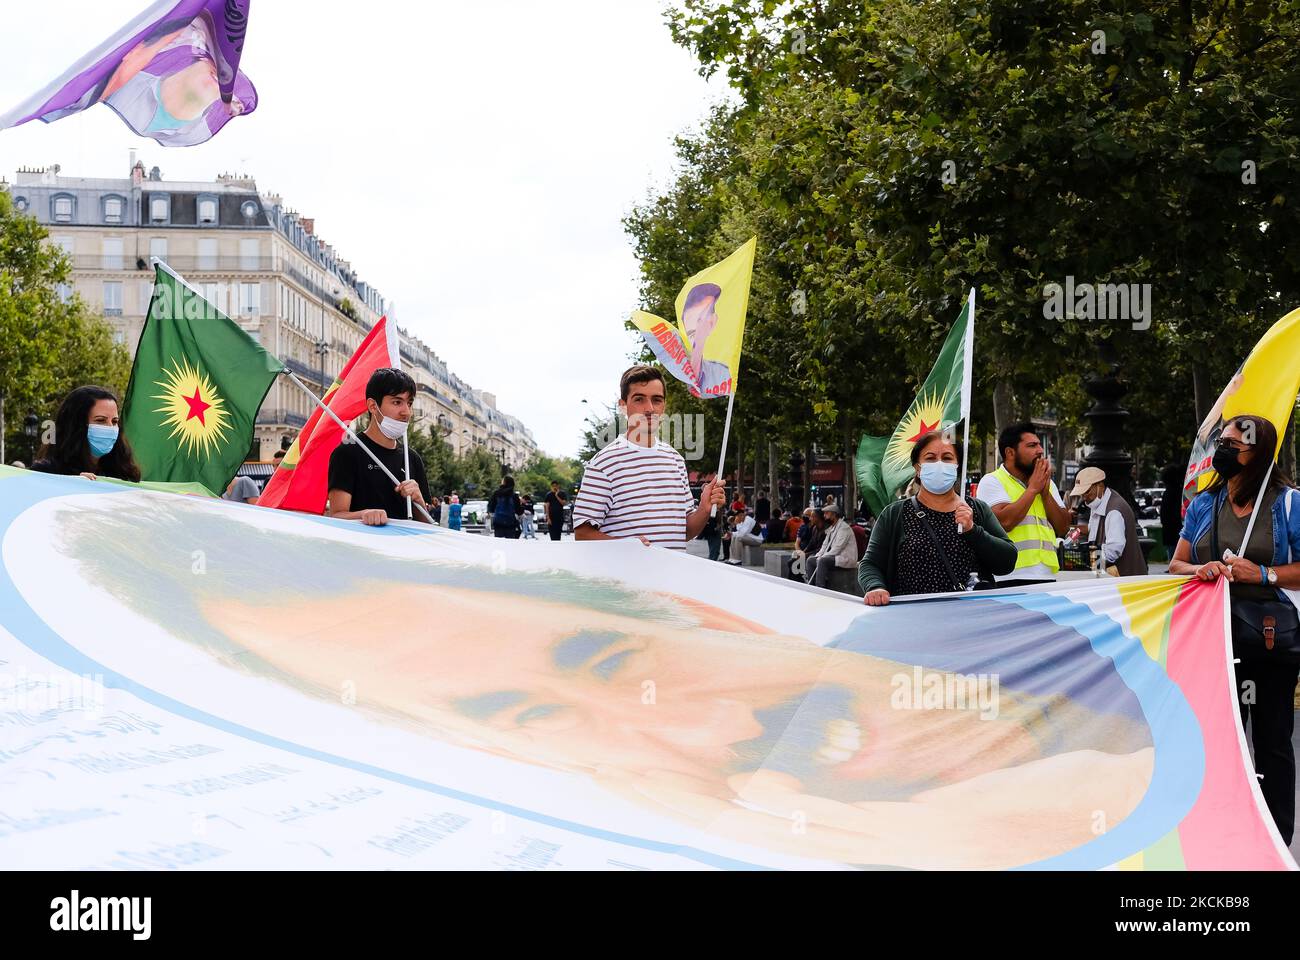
(845, 580)
(752, 556)
(776, 562)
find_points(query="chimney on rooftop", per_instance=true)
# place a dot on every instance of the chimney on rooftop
(309, 224)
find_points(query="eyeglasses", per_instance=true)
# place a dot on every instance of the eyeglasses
(1227, 443)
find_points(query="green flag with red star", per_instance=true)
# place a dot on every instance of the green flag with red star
(885, 463)
(196, 386)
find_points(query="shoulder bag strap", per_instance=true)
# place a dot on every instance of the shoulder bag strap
(1214, 528)
(938, 547)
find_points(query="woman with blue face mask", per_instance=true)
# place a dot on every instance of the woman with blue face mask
(87, 439)
(936, 541)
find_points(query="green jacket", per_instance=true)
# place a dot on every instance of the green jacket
(994, 551)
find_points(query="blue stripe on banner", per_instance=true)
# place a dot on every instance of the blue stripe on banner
(1179, 748)
(1092, 661)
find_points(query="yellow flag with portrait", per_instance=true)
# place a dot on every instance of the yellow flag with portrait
(702, 349)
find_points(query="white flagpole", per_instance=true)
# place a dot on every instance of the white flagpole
(1259, 498)
(352, 434)
(406, 454)
(726, 433)
(967, 363)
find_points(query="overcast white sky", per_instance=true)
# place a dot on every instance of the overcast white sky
(472, 161)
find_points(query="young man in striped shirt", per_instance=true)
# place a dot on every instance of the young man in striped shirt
(637, 485)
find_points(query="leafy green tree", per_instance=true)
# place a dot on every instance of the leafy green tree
(891, 154)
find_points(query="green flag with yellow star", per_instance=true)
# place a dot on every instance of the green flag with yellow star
(196, 386)
(884, 464)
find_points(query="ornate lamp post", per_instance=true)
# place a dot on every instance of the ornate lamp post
(1106, 419)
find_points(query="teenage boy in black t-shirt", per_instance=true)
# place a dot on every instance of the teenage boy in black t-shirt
(358, 489)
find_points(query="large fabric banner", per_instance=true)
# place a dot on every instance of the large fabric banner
(171, 74)
(190, 683)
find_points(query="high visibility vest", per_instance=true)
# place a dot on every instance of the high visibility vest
(1034, 536)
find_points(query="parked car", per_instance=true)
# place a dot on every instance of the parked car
(539, 517)
(474, 516)
(1148, 501)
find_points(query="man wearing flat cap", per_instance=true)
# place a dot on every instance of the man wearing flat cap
(1111, 525)
(839, 549)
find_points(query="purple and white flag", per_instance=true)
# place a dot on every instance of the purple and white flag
(172, 74)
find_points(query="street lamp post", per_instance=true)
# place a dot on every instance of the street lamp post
(322, 348)
(31, 429)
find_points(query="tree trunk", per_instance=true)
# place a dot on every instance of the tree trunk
(772, 486)
(807, 475)
(850, 492)
(1004, 407)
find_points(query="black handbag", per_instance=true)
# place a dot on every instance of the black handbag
(1261, 629)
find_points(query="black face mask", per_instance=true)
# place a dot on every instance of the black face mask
(1226, 464)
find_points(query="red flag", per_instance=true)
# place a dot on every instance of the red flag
(301, 481)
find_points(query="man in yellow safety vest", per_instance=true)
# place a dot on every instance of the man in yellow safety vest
(1016, 491)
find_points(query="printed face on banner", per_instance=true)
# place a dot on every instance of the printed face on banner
(673, 702)
(166, 85)
(164, 74)
(676, 703)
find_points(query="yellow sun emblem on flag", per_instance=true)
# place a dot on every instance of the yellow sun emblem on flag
(925, 415)
(192, 408)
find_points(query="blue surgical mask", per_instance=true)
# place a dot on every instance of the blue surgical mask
(101, 438)
(937, 476)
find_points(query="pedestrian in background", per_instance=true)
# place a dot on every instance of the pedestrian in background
(505, 507)
(526, 518)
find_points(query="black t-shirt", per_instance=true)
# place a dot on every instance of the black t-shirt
(353, 472)
(554, 507)
(763, 510)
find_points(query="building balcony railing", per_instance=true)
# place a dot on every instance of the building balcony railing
(312, 375)
(182, 265)
(315, 289)
(275, 418)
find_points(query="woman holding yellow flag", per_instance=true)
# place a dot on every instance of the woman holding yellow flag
(1221, 538)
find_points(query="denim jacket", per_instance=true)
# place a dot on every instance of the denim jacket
(1286, 529)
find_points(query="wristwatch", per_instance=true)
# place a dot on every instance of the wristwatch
(1272, 576)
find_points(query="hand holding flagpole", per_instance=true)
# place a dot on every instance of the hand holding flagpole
(712, 306)
(353, 437)
(406, 454)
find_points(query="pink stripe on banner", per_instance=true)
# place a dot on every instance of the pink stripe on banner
(1229, 827)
